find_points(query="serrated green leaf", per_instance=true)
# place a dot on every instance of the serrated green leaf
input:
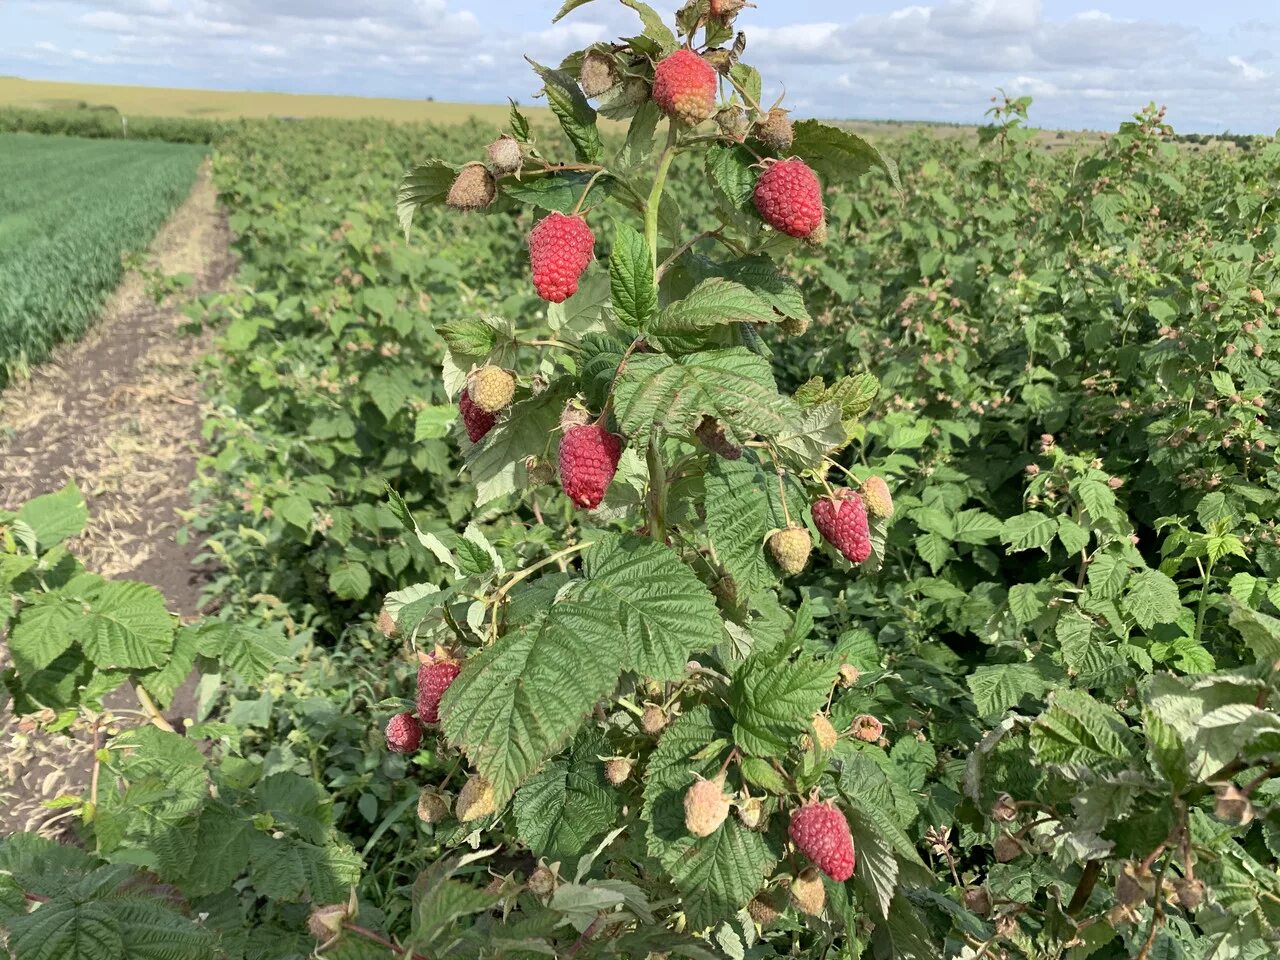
(712, 303)
(1028, 531)
(838, 156)
(635, 296)
(773, 701)
(427, 183)
(519, 701)
(577, 118)
(55, 517)
(127, 626)
(43, 631)
(570, 803)
(716, 875)
(734, 386)
(350, 581)
(1000, 687)
(1152, 598)
(738, 516)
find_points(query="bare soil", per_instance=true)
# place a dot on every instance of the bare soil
(120, 414)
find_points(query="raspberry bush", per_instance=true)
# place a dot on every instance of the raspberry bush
(698, 485)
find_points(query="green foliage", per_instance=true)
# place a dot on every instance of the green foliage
(62, 238)
(1053, 684)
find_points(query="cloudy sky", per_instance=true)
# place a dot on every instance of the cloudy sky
(1088, 63)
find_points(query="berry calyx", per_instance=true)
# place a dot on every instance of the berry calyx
(775, 130)
(618, 769)
(732, 122)
(763, 911)
(794, 326)
(876, 495)
(491, 388)
(434, 678)
(820, 831)
(404, 733)
(842, 521)
(478, 422)
(473, 188)
(560, 249)
(653, 720)
(790, 548)
(598, 74)
(589, 457)
(867, 728)
(789, 198)
(726, 8)
(504, 156)
(824, 734)
(475, 800)
(684, 87)
(433, 806)
(386, 623)
(705, 806)
(710, 433)
(807, 892)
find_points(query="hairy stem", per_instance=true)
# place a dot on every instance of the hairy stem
(655, 197)
(152, 710)
(533, 568)
(656, 502)
(1088, 879)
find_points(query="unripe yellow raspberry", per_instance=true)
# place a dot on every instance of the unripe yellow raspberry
(705, 806)
(791, 547)
(475, 800)
(491, 388)
(807, 892)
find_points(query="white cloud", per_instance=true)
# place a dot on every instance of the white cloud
(1247, 70)
(939, 59)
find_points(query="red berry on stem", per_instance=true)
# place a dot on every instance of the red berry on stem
(684, 87)
(588, 460)
(404, 733)
(789, 198)
(842, 521)
(560, 249)
(821, 833)
(478, 422)
(434, 679)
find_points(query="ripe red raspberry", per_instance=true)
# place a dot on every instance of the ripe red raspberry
(842, 521)
(789, 197)
(477, 421)
(588, 460)
(684, 87)
(433, 680)
(560, 248)
(821, 833)
(404, 733)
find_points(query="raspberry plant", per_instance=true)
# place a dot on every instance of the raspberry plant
(698, 483)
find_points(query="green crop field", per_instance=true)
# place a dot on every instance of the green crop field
(69, 210)
(727, 540)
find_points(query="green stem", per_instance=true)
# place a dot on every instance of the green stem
(1204, 596)
(657, 499)
(655, 197)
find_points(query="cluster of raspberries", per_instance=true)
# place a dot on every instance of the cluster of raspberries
(404, 731)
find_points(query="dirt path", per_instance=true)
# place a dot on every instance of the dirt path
(119, 413)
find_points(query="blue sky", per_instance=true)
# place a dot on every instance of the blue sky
(1087, 64)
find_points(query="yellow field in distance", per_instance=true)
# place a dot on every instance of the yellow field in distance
(223, 105)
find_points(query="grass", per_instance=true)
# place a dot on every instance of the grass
(223, 105)
(69, 210)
